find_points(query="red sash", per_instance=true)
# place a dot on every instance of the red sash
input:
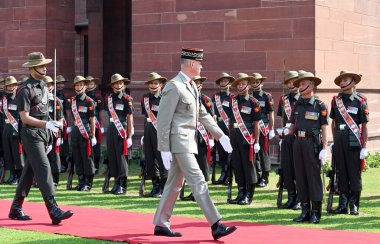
(98, 127)
(243, 129)
(221, 111)
(149, 112)
(351, 124)
(56, 147)
(287, 108)
(120, 129)
(79, 123)
(11, 119)
(202, 130)
(264, 130)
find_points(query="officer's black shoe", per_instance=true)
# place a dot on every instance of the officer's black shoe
(155, 192)
(342, 207)
(247, 199)
(305, 214)
(221, 230)
(122, 189)
(262, 183)
(56, 214)
(297, 205)
(14, 180)
(88, 184)
(189, 198)
(292, 200)
(354, 202)
(16, 209)
(240, 195)
(115, 187)
(81, 181)
(316, 212)
(165, 231)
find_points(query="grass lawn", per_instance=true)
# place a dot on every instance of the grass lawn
(262, 210)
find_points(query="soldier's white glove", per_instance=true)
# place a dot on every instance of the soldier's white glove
(166, 159)
(256, 147)
(53, 125)
(271, 134)
(363, 153)
(331, 147)
(225, 142)
(285, 131)
(211, 143)
(280, 143)
(322, 156)
(102, 130)
(48, 149)
(59, 141)
(142, 140)
(129, 142)
(69, 129)
(93, 141)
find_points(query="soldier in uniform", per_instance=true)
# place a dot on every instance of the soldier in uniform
(13, 156)
(285, 107)
(149, 107)
(350, 115)
(204, 139)
(92, 92)
(32, 104)
(266, 125)
(309, 122)
(221, 101)
(244, 116)
(119, 136)
(83, 134)
(54, 158)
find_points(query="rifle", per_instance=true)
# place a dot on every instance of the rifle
(69, 184)
(2, 170)
(142, 176)
(331, 187)
(280, 186)
(106, 182)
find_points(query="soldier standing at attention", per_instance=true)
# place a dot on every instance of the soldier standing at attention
(309, 122)
(350, 115)
(83, 135)
(119, 135)
(13, 156)
(285, 108)
(222, 109)
(32, 104)
(266, 125)
(150, 103)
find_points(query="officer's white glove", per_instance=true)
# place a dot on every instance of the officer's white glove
(129, 142)
(256, 147)
(48, 149)
(225, 142)
(271, 134)
(363, 153)
(69, 129)
(331, 147)
(285, 131)
(211, 143)
(102, 130)
(322, 156)
(166, 159)
(53, 125)
(93, 141)
(142, 140)
(59, 141)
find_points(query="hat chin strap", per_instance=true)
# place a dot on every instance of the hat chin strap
(83, 89)
(305, 89)
(342, 87)
(38, 72)
(258, 86)
(243, 90)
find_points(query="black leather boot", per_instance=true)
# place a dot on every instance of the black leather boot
(96, 163)
(88, 183)
(56, 214)
(247, 199)
(16, 209)
(292, 200)
(162, 185)
(263, 182)
(305, 214)
(189, 198)
(81, 181)
(219, 230)
(122, 189)
(316, 212)
(223, 176)
(240, 195)
(155, 187)
(56, 179)
(116, 185)
(354, 202)
(343, 202)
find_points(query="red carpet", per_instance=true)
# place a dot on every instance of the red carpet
(119, 225)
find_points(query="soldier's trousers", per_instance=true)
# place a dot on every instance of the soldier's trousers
(154, 165)
(97, 148)
(223, 155)
(54, 159)
(65, 148)
(117, 162)
(12, 157)
(244, 170)
(37, 165)
(287, 162)
(84, 163)
(308, 169)
(264, 159)
(202, 160)
(349, 162)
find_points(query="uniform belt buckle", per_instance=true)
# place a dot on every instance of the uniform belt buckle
(148, 120)
(342, 127)
(111, 120)
(302, 134)
(236, 125)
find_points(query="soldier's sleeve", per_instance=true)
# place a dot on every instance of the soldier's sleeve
(256, 110)
(129, 105)
(279, 109)
(66, 101)
(91, 108)
(59, 110)
(100, 102)
(23, 99)
(332, 111)
(142, 106)
(364, 112)
(207, 120)
(269, 103)
(324, 120)
(208, 105)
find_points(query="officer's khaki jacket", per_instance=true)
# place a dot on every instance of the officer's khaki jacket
(180, 110)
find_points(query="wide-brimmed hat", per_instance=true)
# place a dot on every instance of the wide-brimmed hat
(258, 76)
(61, 79)
(291, 74)
(224, 75)
(307, 76)
(90, 78)
(78, 79)
(47, 79)
(118, 77)
(199, 78)
(36, 59)
(10, 80)
(240, 77)
(345, 73)
(155, 76)
(22, 79)
(192, 53)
